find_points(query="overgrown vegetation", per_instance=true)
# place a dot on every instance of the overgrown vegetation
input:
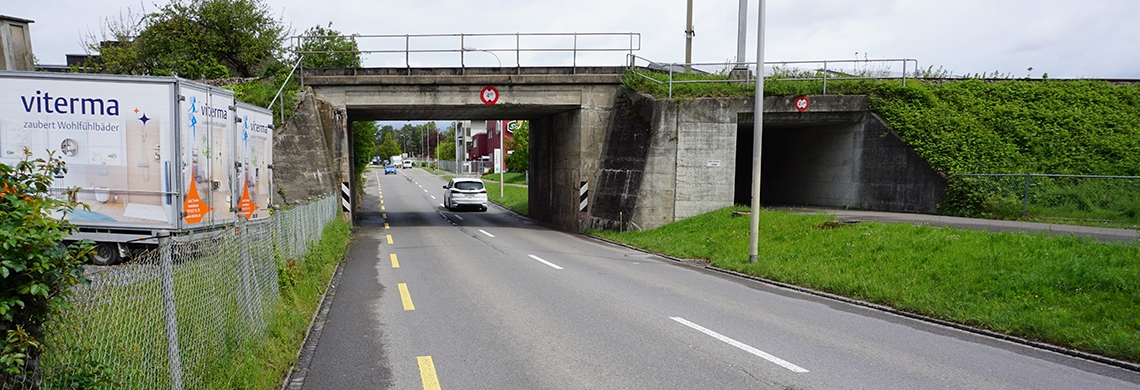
(1061, 290)
(36, 269)
(983, 126)
(265, 363)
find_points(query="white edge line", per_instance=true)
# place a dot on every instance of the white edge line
(552, 265)
(457, 216)
(745, 347)
(485, 232)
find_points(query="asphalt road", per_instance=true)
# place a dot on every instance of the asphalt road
(490, 300)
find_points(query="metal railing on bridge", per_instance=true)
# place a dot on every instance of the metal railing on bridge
(744, 72)
(438, 49)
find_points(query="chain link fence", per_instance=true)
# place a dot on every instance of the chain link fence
(1113, 200)
(180, 312)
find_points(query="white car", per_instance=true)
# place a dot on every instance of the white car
(465, 192)
(408, 164)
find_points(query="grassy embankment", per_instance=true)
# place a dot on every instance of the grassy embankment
(1082, 127)
(264, 364)
(1060, 290)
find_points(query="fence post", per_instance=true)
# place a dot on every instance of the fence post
(169, 311)
(1025, 202)
(245, 270)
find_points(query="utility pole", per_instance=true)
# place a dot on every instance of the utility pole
(689, 39)
(757, 141)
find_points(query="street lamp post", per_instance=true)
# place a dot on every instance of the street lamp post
(468, 48)
(757, 141)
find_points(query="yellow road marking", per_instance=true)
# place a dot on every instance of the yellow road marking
(382, 209)
(389, 238)
(406, 297)
(384, 215)
(395, 263)
(427, 373)
(381, 201)
(386, 225)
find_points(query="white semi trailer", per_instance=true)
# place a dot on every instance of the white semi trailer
(147, 153)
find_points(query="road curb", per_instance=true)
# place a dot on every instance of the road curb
(890, 310)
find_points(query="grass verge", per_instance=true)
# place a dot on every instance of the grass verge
(514, 197)
(1065, 291)
(508, 177)
(264, 364)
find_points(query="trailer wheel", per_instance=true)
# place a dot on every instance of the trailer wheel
(105, 254)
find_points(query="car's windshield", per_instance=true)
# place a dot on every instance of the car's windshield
(469, 185)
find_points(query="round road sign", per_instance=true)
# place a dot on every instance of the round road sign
(489, 95)
(802, 103)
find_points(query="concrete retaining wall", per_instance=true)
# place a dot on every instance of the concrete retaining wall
(307, 152)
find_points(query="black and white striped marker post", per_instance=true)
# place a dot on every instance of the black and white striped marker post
(583, 196)
(344, 199)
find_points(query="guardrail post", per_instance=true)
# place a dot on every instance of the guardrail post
(825, 77)
(575, 69)
(904, 72)
(1025, 202)
(670, 81)
(169, 310)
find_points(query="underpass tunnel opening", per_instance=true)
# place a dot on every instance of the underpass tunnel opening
(802, 164)
(479, 129)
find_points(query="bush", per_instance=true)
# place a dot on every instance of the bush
(36, 269)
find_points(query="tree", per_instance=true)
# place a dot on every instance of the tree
(447, 150)
(363, 143)
(388, 147)
(192, 39)
(36, 269)
(519, 160)
(326, 48)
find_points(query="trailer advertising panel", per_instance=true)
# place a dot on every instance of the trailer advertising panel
(115, 136)
(255, 155)
(207, 129)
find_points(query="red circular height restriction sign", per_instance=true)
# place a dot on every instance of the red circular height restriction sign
(802, 103)
(489, 95)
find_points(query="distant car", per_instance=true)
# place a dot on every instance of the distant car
(390, 169)
(408, 164)
(465, 192)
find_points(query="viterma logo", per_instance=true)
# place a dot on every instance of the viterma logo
(211, 112)
(43, 102)
(249, 125)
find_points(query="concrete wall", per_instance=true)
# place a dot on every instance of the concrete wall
(665, 160)
(308, 152)
(564, 152)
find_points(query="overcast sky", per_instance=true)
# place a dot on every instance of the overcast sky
(1065, 38)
